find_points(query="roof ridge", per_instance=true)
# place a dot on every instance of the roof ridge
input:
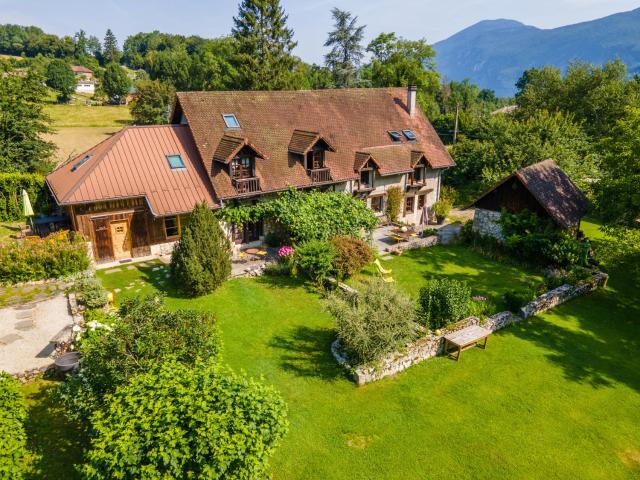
(275, 92)
(92, 167)
(163, 125)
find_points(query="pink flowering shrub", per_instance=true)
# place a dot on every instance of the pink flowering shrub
(285, 251)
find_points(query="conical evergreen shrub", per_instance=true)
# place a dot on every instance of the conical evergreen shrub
(201, 260)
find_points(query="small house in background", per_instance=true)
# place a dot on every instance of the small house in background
(82, 73)
(86, 86)
(542, 188)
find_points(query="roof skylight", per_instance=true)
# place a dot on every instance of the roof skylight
(175, 161)
(409, 134)
(396, 135)
(80, 162)
(230, 120)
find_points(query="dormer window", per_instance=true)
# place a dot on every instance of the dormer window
(242, 167)
(230, 120)
(315, 159)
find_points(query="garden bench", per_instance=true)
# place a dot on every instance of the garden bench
(465, 338)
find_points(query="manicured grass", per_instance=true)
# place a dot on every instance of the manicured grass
(552, 397)
(54, 444)
(414, 268)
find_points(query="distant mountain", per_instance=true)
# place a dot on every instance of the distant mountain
(494, 53)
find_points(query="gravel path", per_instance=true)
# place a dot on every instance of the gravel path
(28, 333)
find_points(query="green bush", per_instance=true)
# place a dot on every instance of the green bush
(514, 299)
(91, 293)
(11, 186)
(281, 268)
(353, 254)
(575, 276)
(58, 255)
(13, 439)
(201, 260)
(177, 421)
(143, 333)
(529, 237)
(394, 202)
(443, 302)
(315, 259)
(442, 208)
(377, 321)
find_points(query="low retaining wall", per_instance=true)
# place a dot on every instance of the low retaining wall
(487, 223)
(413, 244)
(432, 345)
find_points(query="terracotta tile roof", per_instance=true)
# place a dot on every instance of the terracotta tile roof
(565, 203)
(349, 120)
(302, 142)
(80, 69)
(396, 158)
(133, 163)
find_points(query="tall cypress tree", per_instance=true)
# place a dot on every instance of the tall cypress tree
(346, 48)
(264, 45)
(110, 51)
(201, 260)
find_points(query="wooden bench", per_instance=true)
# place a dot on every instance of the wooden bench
(464, 339)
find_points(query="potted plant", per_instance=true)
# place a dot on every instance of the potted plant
(441, 209)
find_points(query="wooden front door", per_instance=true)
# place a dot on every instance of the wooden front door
(102, 239)
(121, 239)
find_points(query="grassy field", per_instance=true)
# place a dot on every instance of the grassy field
(80, 127)
(553, 397)
(9, 230)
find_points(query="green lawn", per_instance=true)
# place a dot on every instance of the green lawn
(552, 397)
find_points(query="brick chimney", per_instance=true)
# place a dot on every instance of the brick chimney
(412, 93)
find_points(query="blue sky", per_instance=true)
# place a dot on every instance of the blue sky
(311, 19)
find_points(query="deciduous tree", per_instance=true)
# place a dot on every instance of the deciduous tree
(152, 104)
(60, 77)
(115, 82)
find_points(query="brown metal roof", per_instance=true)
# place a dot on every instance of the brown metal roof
(133, 163)
(349, 120)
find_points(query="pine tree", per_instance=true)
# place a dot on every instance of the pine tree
(347, 52)
(110, 52)
(264, 45)
(201, 260)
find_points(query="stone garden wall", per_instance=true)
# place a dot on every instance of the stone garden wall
(487, 223)
(432, 345)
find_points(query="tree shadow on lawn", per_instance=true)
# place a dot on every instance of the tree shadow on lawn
(55, 445)
(306, 352)
(603, 350)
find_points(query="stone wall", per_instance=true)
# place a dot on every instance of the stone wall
(486, 222)
(562, 294)
(432, 345)
(412, 244)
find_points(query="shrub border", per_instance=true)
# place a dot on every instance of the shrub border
(432, 345)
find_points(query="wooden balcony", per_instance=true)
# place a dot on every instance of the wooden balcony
(320, 175)
(246, 185)
(364, 187)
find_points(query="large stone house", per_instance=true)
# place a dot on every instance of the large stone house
(130, 193)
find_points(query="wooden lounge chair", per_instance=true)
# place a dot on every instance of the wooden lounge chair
(381, 269)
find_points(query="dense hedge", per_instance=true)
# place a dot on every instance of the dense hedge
(34, 258)
(443, 302)
(11, 186)
(13, 413)
(178, 421)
